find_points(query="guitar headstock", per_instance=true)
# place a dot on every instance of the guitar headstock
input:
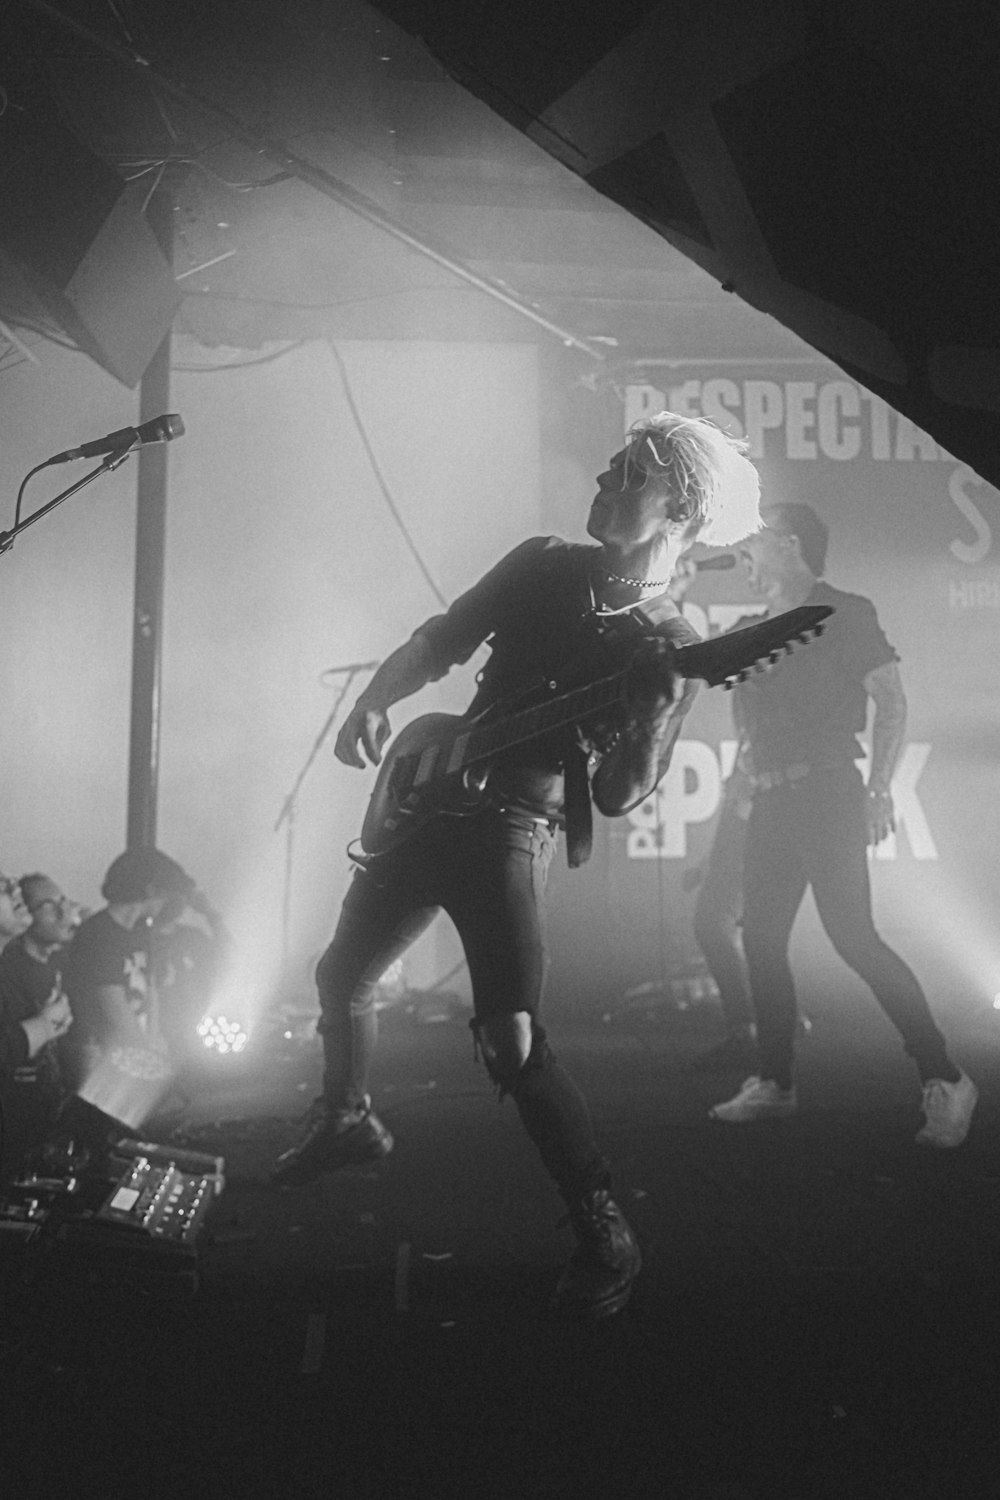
(731, 659)
(765, 663)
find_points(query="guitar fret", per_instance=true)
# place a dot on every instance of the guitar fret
(426, 765)
(531, 722)
(457, 756)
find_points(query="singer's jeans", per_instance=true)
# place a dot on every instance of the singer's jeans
(813, 832)
(488, 872)
(718, 912)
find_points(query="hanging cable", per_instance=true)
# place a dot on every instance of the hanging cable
(241, 364)
(386, 494)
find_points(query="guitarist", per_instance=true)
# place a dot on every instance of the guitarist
(551, 611)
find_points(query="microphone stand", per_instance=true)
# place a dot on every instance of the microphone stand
(287, 813)
(7, 538)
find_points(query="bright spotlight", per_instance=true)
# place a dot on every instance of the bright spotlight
(219, 1034)
(996, 1000)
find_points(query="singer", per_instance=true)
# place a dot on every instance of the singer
(810, 820)
(677, 481)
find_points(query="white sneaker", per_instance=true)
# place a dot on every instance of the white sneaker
(948, 1107)
(758, 1099)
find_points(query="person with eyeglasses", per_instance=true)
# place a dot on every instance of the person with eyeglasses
(14, 915)
(34, 1014)
(812, 819)
(552, 612)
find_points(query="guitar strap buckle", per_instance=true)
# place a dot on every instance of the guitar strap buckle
(357, 856)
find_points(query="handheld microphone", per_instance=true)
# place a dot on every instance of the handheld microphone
(157, 430)
(720, 564)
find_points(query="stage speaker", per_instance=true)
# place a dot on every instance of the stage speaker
(82, 241)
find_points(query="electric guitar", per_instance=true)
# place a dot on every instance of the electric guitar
(441, 763)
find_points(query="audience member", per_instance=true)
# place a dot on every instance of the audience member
(109, 976)
(14, 917)
(34, 1014)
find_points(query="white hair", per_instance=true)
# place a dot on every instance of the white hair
(710, 477)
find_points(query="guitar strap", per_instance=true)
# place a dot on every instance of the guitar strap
(577, 808)
(578, 812)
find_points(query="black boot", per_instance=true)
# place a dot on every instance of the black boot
(598, 1280)
(332, 1139)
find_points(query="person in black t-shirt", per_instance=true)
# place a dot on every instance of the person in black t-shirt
(552, 613)
(117, 1053)
(717, 919)
(812, 820)
(718, 912)
(34, 1014)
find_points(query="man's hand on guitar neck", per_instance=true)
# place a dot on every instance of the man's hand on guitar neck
(655, 701)
(651, 685)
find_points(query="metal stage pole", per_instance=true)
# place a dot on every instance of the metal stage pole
(150, 538)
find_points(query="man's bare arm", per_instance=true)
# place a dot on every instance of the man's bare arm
(53, 1021)
(409, 668)
(885, 688)
(640, 759)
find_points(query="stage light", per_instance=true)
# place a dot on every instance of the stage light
(965, 938)
(220, 1034)
(246, 986)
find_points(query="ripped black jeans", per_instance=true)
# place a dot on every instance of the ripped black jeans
(488, 872)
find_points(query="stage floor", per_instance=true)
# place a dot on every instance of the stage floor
(817, 1317)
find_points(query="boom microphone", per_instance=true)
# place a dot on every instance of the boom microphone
(352, 666)
(720, 564)
(157, 430)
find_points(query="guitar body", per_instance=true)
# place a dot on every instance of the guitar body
(421, 776)
(441, 762)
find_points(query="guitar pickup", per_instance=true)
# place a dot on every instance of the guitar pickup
(457, 754)
(425, 765)
(399, 776)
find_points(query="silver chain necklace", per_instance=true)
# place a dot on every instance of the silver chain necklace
(604, 610)
(637, 583)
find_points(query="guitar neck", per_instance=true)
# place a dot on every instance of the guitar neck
(530, 723)
(723, 660)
